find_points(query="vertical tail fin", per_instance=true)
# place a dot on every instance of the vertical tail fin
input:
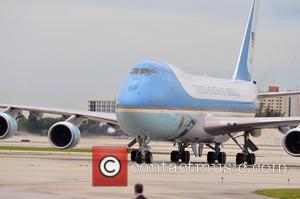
(244, 65)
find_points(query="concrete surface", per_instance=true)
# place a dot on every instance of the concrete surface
(68, 175)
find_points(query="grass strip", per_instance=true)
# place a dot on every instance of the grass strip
(280, 193)
(49, 149)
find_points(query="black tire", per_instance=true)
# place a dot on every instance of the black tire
(138, 157)
(240, 158)
(133, 155)
(185, 157)
(211, 157)
(148, 157)
(222, 157)
(251, 158)
(182, 156)
(174, 156)
(188, 156)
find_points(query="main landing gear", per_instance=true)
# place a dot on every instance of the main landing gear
(181, 154)
(245, 156)
(143, 153)
(216, 155)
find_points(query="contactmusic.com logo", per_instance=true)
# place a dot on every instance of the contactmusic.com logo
(109, 166)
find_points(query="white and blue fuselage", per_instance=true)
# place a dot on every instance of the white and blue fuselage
(164, 103)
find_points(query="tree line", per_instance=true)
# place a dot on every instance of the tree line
(41, 126)
(268, 112)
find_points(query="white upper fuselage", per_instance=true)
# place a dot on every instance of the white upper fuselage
(203, 87)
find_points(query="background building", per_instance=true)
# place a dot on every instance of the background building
(108, 106)
(295, 105)
(289, 105)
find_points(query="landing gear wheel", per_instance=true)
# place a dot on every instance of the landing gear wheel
(174, 156)
(222, 157)
(148, 157)
(211, 158)
(251, 158)
(185, 157)
(240, 158)
(245, 156)
(133, 154)
(138, 157)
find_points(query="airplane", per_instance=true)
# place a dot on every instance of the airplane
(160, 102)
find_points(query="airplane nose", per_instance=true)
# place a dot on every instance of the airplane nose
(130, 94)
(133, 85)
(140, 91)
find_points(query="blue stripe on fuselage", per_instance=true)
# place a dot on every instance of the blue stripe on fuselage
(163, 90)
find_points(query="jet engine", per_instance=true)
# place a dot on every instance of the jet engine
(64, 135)
(8, 126)
(256, 133)
(291, 142)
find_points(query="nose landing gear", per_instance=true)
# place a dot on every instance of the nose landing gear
(143, 153)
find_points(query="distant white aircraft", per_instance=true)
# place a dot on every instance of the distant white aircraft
(160, 102)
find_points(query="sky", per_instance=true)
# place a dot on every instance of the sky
(62, 53)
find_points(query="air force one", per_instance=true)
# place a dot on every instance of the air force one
(160, 102)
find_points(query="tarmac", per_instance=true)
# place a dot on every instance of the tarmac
(55, 175)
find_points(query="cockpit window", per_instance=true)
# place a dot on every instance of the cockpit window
(135, 71)
(142, 71)
(147, 70)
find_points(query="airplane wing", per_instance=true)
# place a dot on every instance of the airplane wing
(98, 116)
(277, 94)
(223, 125)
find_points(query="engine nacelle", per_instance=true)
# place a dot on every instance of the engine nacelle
(8, 126)
(256, 133)
(291, 142)
(64, 135)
